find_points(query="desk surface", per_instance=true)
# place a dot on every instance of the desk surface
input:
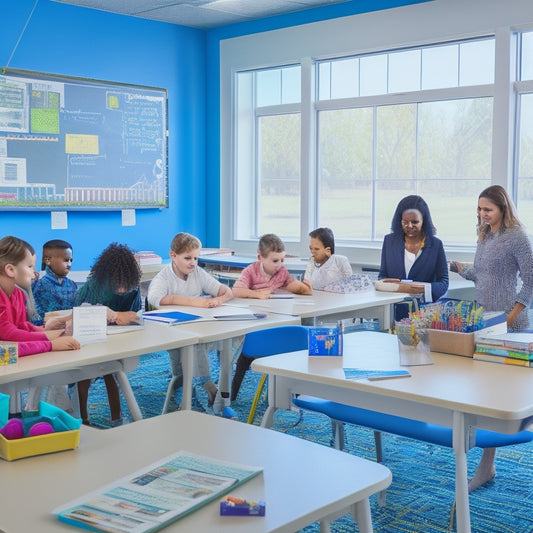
(216, 330)
(296, 492)
(152, 338)
(479, 388)
(322, 303)
(455, 391)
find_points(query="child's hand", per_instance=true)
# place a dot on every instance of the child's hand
(65, 343)
(57, 322)
(213, 302)
(124, 318)
(263, 294)
(54, 334)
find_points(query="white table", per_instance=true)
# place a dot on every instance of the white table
(329, 306)
(296, 492)
(457, 392)
(118, 355)
(224, 331)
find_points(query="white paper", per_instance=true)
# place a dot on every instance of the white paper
(89, 323)
(128, 217)
(59, 219)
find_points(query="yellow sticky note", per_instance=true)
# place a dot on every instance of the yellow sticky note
(76, 143)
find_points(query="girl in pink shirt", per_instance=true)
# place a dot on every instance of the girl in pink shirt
(17, 267)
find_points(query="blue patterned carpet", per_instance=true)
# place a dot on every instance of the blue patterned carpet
(422, 491)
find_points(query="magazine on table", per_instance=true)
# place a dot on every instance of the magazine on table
(156, 495)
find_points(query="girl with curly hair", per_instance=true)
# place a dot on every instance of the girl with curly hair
(114, 282)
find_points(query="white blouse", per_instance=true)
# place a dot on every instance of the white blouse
(335, 268)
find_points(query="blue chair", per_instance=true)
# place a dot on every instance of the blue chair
(414, 429)
(263, 343)
(424, 431)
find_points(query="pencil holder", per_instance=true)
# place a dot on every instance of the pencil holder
(413, 344)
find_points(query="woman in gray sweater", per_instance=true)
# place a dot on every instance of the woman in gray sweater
(503, 275)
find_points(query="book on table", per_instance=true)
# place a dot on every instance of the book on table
(519, 340)
(356, 374)
(502, 359)
(156, 495)
(170, 317)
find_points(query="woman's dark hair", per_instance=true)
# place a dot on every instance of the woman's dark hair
(325, 236)
(413, 202)
(116, 268)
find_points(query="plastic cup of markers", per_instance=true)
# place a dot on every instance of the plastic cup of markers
(413, 345)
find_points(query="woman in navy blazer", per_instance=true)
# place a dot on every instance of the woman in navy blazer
(412, 251)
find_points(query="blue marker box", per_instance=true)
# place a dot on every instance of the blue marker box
(326, 340)
(238, 507)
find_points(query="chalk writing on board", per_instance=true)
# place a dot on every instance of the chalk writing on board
(70, 143)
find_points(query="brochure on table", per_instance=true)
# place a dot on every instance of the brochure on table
(151, 498)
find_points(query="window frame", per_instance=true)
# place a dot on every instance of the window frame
(306, 46)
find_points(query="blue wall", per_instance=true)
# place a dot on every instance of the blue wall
(94, 44)
(82, 42)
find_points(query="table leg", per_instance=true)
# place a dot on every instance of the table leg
(362, 515)
(224, 379)
(461, 475)
(187, 365)
(125, 387)
(268, 417)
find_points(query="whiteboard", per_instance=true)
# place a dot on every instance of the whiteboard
(72, 143)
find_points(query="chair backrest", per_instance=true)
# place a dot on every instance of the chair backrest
(272, 341)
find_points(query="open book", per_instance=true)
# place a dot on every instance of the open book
(151, 498)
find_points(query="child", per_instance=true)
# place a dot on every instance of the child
(114, 282)
(17, 267)
(183, 282)
(55, 291)
(268, 274)
(324, 267)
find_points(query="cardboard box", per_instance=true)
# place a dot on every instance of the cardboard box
(464, 344)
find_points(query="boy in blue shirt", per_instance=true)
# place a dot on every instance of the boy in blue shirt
(55, 291)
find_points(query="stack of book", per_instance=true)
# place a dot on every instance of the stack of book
(145, 257)
(506, 348)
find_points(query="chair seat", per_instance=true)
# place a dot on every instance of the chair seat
(405, 427)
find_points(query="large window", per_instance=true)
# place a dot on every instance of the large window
(524, 151)
(268, 153)
(337, 139)
(416, 121)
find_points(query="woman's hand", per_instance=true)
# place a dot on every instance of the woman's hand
(513, 313)
(456, 266)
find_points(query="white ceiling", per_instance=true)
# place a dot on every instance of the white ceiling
(202, 14)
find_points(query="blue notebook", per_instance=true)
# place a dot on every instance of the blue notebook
(170, 317)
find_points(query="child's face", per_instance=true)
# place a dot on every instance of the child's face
(59, 261)
(319, 252)
(272, 262)
(184, 263)
(24, 271)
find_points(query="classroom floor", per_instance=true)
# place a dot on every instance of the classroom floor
(420, 497)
